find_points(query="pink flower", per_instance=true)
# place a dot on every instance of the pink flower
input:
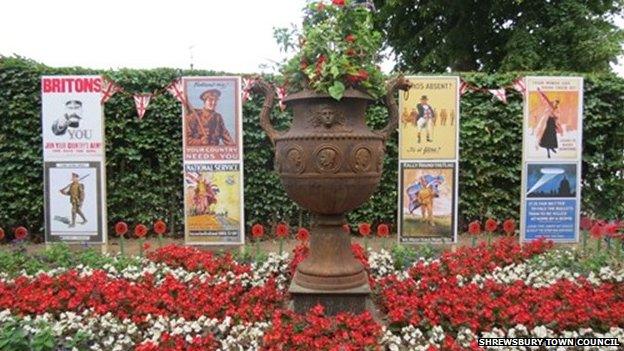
(586, 223)
(121, 228)
(257, 231)
(160, 227)
(474, 228)
(303, 234)
(596, 231)
(509, 226)
(21, 233)
(364, 229)
(281, 231)
(491, 225)
(383, 231)
(140, 230)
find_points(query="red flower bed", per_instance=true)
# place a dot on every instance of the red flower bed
(315, 331)
(124, 299)
(434, 296)
(563, 305)
(195, 260)
(468, 261)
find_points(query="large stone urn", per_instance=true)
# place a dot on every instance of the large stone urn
(330, 163)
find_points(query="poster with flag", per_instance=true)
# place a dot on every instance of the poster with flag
(213, 204)
(429, 159)
(551, 165)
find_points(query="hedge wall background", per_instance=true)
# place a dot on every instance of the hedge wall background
(144, 158)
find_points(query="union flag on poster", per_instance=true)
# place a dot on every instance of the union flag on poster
(212, 128)
(213, 204)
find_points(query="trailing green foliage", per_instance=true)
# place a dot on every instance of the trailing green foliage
(144, 158)
(17, 261)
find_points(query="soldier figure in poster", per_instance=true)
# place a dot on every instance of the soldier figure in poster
(75, 191)
(426, 118)
(205, 126)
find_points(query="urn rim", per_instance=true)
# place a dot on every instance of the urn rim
(307, 94)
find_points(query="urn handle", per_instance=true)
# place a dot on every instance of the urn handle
(261, 86)
(392, 86)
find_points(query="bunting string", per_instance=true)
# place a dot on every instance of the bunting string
(176, 89)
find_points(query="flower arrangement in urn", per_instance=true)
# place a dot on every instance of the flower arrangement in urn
(329, 161)
(337, 49)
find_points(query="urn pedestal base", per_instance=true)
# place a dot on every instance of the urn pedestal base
(353, 300)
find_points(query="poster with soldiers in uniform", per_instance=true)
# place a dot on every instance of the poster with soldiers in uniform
(73, 201)
(211, 121)
(429, 125)
(427, 202)
(213, 203)
(72, 123)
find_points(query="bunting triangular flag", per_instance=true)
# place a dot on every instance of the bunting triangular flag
(519, 85)
(499, 94)
(109, 88)
(464, 87)
(247, 84)
(141, 101)
(281, 94)
(177, 90)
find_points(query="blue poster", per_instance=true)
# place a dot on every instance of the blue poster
(551, 201)
(553, 219)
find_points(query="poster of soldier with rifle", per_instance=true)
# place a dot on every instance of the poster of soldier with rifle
(73, 207)
(212, 118)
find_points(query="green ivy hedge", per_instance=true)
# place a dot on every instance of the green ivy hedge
(144, 158)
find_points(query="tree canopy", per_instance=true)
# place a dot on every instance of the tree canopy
(502, 35)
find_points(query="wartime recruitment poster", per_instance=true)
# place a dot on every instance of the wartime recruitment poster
(429, 125)
(211, 120)
(73, 152)
(71, 116)
(552, 151)
(553, 123)
(428, 160)
(551, 201)
(73, 201)
(213, 203)
(428, 202)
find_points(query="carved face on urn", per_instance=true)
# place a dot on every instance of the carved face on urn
(327, 117)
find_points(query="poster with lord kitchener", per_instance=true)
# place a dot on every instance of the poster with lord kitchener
(73, 153)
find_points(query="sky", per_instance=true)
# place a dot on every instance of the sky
(233, 36)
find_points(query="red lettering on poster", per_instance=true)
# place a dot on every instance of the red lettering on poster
(70, 85)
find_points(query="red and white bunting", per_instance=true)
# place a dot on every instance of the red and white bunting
(177, 90)
(519, 85)
(109, 88)
(499, 94)
(141, 101)
(246, 91)
(281, 94)
(464, 87)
